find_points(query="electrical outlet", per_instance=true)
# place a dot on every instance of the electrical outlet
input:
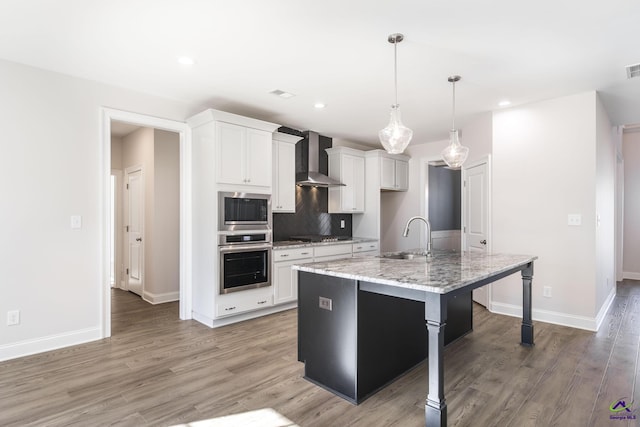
(342, 224)
(13, 317)
(574, 219)
(76, 222)
(546, 291)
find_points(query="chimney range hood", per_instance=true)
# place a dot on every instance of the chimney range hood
(308, 156)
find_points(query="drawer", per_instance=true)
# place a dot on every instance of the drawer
(366, 247)
(291, 254)
(330, 250)
(243, 301)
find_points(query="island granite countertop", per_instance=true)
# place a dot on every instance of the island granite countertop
(445, 272)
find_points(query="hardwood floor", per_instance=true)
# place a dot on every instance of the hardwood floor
(158, 370)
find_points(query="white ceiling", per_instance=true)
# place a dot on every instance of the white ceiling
(337, 52)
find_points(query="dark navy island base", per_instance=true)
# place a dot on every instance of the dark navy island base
(361, 322)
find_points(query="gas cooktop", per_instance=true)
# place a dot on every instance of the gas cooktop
(319, 238)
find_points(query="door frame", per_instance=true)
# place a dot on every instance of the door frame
(184, 132)
(486, 159)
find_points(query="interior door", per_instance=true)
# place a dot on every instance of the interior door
(476, 218)
(134, 230)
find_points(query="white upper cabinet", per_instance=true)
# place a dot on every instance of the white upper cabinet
(394, 172)
(347, 166)
(283, 198)
(243, 155)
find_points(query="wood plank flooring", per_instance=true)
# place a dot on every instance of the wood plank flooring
(157, 370)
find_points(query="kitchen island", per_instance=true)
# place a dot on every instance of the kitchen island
(375, 298)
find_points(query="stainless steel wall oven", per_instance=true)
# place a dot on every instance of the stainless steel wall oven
(245, 261)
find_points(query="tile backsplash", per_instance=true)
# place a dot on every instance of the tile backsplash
(311, 216)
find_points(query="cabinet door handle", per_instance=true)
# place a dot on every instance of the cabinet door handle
(304, 253)
(483, 242)
(284, 255)
(229, 308)
(262, 302)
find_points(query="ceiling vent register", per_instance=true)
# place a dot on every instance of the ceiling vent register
(633, 71)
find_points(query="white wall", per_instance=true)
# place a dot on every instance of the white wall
(157, 151)
(544, 168)
(137, 151)
(116, 152)
(51, 168)
(166, 226)
(605, 208)
(398, 207)
(631, 258)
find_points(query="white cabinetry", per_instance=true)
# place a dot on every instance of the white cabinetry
(283, 197)
(331, 252)
(243, 301)
(366, 249)
(243, 155)
(394, 172)
(283, 278)
(347, 166)
(226, 150)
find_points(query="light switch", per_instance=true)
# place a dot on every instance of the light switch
(574, 219)
(76, 222)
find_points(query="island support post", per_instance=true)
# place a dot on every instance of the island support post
(435, 316)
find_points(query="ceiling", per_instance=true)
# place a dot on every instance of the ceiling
(337, 52)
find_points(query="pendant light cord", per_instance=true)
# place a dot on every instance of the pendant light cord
(395, 69)
(453, 108)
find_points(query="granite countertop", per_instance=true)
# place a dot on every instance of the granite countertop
(290, 244)
(445, 272)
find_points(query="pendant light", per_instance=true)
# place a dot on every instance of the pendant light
(396, 136)
(455, 154)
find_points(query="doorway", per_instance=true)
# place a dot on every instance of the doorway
(476, 216)
(184, 136)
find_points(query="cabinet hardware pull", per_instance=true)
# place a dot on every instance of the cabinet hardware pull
(230, 308)
(284, 255)
(304, 253)
(262, 302)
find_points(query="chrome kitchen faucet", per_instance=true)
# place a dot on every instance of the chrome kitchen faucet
(427, 233)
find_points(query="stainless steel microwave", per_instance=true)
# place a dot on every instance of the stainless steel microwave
(244, 211)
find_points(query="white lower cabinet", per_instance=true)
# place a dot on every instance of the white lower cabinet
(366, 249)
(243, 301)
(283, 278)
(331, 252)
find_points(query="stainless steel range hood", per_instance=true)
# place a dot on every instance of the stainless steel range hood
(308, 170)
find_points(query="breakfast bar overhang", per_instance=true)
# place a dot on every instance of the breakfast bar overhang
(433, 282)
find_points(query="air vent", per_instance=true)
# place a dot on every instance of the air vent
(282, 93)
(633, 71)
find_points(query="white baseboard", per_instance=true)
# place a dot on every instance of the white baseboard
(52, 342)
(216, 323)
(630, 275)
(605, 308)
(161, 298)
(557, 318)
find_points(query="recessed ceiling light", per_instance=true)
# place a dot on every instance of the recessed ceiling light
(282, 93)
(185, 60)
(319, 105)
(504, 103)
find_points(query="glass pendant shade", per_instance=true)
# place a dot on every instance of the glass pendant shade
(455, 154)
(396, 136)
